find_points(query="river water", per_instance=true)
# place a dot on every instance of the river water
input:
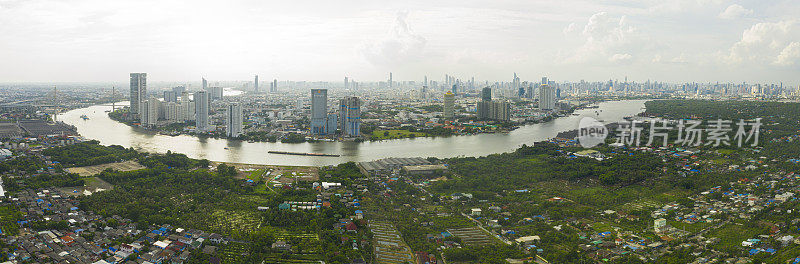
(109, 132)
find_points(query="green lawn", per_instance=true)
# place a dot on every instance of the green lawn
(731, 236)
(394, 133)
(8, 220)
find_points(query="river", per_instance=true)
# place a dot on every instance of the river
(109, 132)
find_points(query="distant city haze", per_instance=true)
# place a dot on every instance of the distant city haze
(666, 40)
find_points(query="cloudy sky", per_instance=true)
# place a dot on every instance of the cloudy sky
(666, 40)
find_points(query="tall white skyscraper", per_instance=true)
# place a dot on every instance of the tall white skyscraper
(233, 120)
(449, 105)
(319, 110)
(138, 92)
(350, 116)
(149, 112)
(255, 87)
(390, 80)
(201, 111)
(205, 84)
(187, 107)
(346, 82)
(173, 112)
(547, 97)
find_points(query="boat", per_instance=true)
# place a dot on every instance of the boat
(84, 117)
(226, 148)
(303, 153)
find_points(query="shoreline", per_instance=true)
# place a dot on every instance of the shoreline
(240, 151)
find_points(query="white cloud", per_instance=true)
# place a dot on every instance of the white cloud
(735, 11)
(606, 37)
(767, 43)
(620, 58)
(401, 46)
(789, 55)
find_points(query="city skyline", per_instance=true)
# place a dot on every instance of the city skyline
(674, 41)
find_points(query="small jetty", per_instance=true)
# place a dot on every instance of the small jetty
(302, 153)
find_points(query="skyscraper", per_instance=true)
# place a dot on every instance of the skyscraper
(255, 87)
(205, 84)
(233, 120)
(486, 94)
(449, 105)
(455, 89)
(346, 83)
(138, 92)
(216, 93)
(350, 115)
(390, 80)
(149, 112)
(173, 112)
(201, 111)
(319, 110)
(170, 96)
(547, 98)
(274, 86)
(331, 124)
(187, 107)
(179, 89)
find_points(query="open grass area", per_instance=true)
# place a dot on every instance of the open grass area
(731, 236)
(8, 220)
(395, 133)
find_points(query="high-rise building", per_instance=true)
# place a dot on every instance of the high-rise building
(547, 98)
(274, 86)
(390, 80)
(149, 112)
(255, 84)
(449, 105)
(331, 124)
(499, 110)
(138, 92)
(486, 94)
(215, 93)
(234, 120)
(201, 111)
(179, 90)
(170, 96)
(350, 116)
(455, 89)
(544, 80)
(173, 112)
(187, 107)
(319, 110)
(346, 83)
(205, 84)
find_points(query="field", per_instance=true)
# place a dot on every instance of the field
(92, 185)
(242, 222)
(472, 236)
(731, 236)
(389, 246)
(89, 171)
(8, 220)
(394, 133)
(282, 174)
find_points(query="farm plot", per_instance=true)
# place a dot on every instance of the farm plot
(229, 222)
(472, 236)
(96, 169)
(233, 252)
(389, 246)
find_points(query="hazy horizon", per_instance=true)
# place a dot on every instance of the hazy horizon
(676, 41)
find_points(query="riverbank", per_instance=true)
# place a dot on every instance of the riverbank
(109, 132)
